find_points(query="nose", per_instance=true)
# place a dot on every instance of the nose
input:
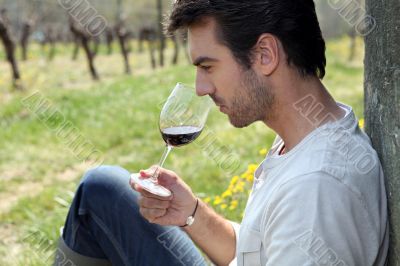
(204, 85)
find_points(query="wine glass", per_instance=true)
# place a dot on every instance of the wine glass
(182, 120)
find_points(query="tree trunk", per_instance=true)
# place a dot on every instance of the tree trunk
(96, 45)
(26, 32)
(152, 51)
(161, 36)
(353, 33)
(75, 51)
(176, 50)
(52, 51)
(353, 45)
(51, 40)
(382, 103)
(109, 40)
(9, 47)
(84, 39)
(122, 35)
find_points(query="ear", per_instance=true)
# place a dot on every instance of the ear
(267, 54)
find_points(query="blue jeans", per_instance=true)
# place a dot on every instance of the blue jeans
(104, 222)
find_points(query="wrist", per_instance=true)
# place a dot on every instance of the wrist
(191, 218)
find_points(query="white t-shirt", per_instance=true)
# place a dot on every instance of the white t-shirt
(322, 203)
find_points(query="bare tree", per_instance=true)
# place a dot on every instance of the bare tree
(51, 40)
(149, 35)
(109, 40)
(76, 44)
(84, 39)
(382, 102)
(9, 44)
(26, 32)
(123, 37)
(178, 40)
(176, 49)
(96, 44)
(353, 44)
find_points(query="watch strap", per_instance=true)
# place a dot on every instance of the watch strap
(190, 219)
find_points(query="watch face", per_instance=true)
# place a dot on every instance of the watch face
(190, 220)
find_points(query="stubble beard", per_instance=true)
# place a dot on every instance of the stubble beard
(254, 101)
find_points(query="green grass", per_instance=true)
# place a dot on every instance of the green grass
(118, 115)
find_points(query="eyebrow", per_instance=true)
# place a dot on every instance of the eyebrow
(200, 60)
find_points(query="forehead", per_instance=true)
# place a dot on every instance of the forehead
(203, 40)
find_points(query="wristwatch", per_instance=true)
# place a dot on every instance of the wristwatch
(190, 219)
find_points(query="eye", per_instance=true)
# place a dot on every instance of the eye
(206, 68)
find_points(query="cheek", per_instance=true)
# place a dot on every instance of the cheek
(227, 82)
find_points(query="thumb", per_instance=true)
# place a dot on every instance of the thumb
(166, 177)
(144, 174)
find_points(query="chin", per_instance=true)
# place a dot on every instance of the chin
(239, 123)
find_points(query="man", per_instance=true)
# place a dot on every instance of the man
(318, 197)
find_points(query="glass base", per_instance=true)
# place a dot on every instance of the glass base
(150, 186)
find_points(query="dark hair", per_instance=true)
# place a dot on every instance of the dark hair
(241, 22)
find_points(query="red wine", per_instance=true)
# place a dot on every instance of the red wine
(178, 136)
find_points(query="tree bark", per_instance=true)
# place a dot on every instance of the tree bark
(96, 45)
(26, 32)
(152, 51)
(353, 45)
(84, 39)
(9, 47)
(176, 50)
(122, 35)
(109, 40)
(382, 103)
(51, 40)
(75, 51)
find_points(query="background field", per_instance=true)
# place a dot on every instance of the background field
(39, 173)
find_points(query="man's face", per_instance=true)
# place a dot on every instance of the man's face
(241, 94)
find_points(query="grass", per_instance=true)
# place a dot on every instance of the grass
(118, 115)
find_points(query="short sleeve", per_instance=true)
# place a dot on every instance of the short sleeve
(236, 228)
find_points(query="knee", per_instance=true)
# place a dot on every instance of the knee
(105, 181)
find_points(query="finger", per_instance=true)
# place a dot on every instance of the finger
(147, 194)
(149, 172)
(152, 203)
(152, 214)
(165, 177)
(134, 185)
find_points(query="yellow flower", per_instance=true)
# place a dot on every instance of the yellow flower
(217, 200)
(263, 152)
(207, 200)
(250, 178)
(227, 194)
(240, 186)
(252, 168)
(234, 205)
(234, 180)
(223, 206)
(361, 123)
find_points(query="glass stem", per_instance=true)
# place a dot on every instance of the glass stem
(167, 150)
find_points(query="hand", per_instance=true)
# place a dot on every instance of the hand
(173, 210)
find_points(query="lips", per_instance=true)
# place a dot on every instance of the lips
(222, 108)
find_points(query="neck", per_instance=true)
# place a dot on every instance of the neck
(301, 106)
